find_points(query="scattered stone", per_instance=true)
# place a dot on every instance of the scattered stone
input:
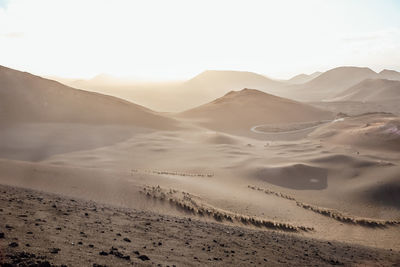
(127, 240)
(13, 244)
(55, 250)
(103, 253)
(143, 258)
(1, 235)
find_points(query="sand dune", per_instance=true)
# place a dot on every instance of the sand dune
(387, 193)
(28, 98)
(341, 174)
(375, 131)
(375, 90)
(295, 176)
(240, 110)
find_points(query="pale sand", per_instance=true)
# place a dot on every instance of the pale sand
(218, 171)
(358, 180)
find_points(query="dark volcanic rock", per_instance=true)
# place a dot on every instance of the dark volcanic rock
(143, 258)
(13, 244)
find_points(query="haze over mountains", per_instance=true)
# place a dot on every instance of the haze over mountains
(371, 90)
(303, 78)
(211, 84)
(236, 158)
(28, 98)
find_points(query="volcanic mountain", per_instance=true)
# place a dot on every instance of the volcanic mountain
(240, 110)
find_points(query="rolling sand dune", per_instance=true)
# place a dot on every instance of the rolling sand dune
(357, 108)
(376, 90)
(296, 176)
(241, 110)
(387, 193)
(131, 187)
(370, 131)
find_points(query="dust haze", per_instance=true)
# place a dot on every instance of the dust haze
(226, 167)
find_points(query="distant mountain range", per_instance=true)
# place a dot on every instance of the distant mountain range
(332, 83)
(371, 90)
(338, 84)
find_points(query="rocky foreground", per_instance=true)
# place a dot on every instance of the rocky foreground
(41, 229)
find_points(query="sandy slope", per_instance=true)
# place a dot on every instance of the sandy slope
(46, 228)
(357, 108)
(216, 170)
(338, 182)
(377, 131)
(240, 110)
(28, 98)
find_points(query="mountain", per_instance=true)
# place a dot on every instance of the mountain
(177, 96)
(371, 90)
(332, 82)
(221, 80)
(240, 110)
(211, 84)
(303, 78)
(389, 75)
(28, 98)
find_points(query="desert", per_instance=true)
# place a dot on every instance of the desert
(199, 133)
(303, 173)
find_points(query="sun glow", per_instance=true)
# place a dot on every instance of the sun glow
(178, 39)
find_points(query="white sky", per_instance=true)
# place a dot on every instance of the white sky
(178, 39)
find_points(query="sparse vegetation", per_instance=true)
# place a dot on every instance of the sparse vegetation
(334, 214)
(175, 173)
(187, 203)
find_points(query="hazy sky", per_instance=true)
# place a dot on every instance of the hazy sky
(178, 39)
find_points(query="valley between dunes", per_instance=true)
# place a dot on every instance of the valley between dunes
(336, 182)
